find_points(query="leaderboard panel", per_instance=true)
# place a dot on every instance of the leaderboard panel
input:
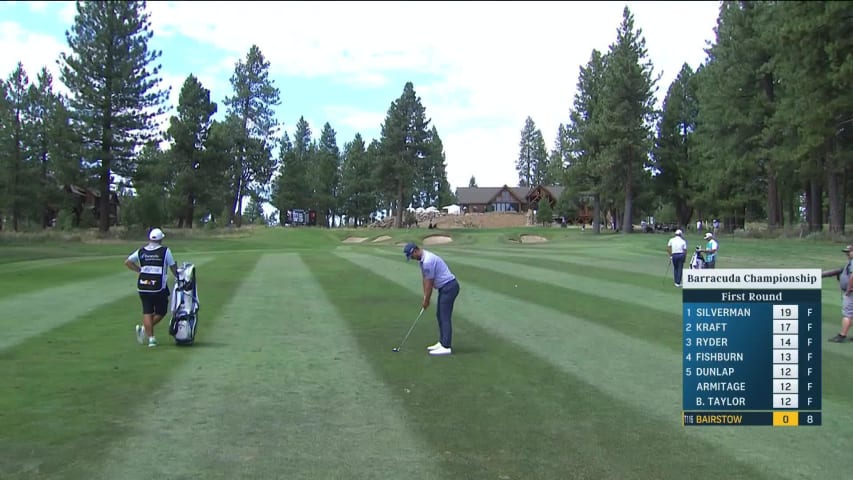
(751, 347)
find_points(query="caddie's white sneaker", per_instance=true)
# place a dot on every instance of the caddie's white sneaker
(152, 342)
(440, 351)
(140, 334)
(433, 347)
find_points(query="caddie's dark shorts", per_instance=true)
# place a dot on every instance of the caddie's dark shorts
(155, 303)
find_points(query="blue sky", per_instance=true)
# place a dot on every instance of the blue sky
(480, 68)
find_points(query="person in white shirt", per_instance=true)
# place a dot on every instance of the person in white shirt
(437, 275)
(710, 250)
(152, 262)
(676, 248)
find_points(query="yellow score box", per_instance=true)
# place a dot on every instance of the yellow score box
(786, 419)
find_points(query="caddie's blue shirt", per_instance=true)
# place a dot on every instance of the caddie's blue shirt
(434, 268)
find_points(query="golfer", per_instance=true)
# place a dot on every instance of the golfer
(436, 275)
(846, 299)
(150, 262)
(710, 250)
(676, 248)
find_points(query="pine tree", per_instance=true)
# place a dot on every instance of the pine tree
(189, 131)
(628, 112)
(252, 103)
(113, 81)
(677, 180)
(532, 163)
(404, 142)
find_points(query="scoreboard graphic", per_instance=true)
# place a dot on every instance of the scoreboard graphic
(751, 347)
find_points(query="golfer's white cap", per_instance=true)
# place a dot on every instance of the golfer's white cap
(678, 232)
(156, 235)
(708, 235)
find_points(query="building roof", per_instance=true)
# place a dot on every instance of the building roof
(485, 195)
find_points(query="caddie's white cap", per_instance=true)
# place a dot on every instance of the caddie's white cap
(678, 232)
(156, 235)
(708, 235)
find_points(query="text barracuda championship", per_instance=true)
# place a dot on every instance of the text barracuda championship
(752, 278)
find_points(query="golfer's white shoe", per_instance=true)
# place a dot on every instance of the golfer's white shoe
(440, 351)
(140, 334)
(433, 347)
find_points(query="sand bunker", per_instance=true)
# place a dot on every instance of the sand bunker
(355, 239)
(533, 239)
(381, 239)
(437, 239)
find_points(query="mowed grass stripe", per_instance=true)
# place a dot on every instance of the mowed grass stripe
(835, 357)
(277, 390)
(71, 392)
(642, 375)
(591, 299)
(40, 310)
(500, 408)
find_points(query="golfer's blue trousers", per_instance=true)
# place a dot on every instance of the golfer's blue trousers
(446, 298)
(677, 267)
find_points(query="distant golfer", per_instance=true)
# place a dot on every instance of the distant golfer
(843, 275)
(437, 275)
(676, 248)
(151, 262)
(710, 250)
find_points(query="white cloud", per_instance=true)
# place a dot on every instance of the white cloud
(354, 118)
(34, 50)
(493, 64)
(497, 63)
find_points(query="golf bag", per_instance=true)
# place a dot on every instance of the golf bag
(184, 306)
(697, 261)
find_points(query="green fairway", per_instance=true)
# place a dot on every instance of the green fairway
(566, 363)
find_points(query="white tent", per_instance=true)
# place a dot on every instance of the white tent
(452, 209)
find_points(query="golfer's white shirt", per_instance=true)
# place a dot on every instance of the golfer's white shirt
(433, 267)
(677, 244)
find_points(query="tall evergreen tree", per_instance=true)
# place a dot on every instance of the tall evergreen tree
(584, 135)
(189, 131)
(677, 172)
(325, 174)
(358, 187)
(16, 128)
(532, 163)
(113, 81)
(252, 102)
(405, 143)
(628, 112)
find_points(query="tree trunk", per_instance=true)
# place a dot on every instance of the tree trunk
(104, 213)
(814, 206)
(190, 210)
(835, 194)
(596, 213)
(398, 215)
(627, 221)
(234, 214)
(774, 216)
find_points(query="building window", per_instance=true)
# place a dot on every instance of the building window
(505, 207)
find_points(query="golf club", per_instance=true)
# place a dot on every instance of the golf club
(666, 274)
(397, 349)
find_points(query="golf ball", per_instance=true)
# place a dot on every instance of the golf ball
(516, 286)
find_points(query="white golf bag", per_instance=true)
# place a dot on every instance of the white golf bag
(697, 261)
(184, 306)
